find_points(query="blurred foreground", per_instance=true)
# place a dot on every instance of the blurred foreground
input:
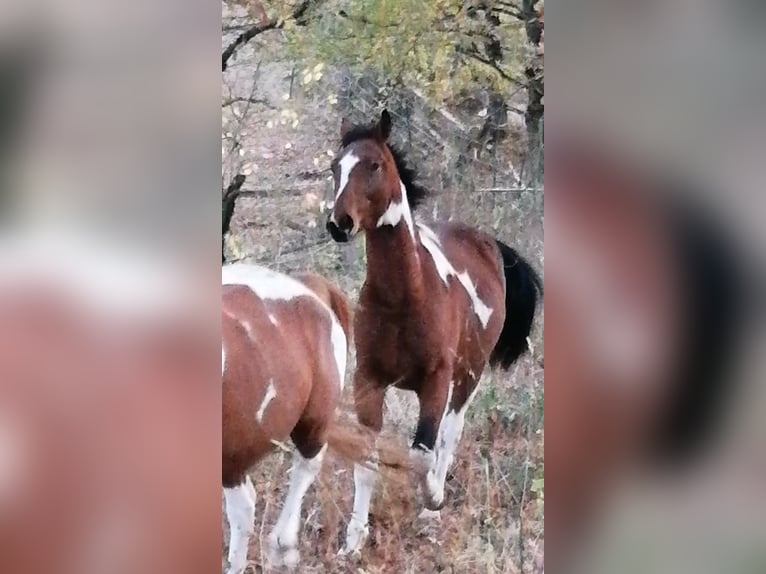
(654, 269)
(109, 396)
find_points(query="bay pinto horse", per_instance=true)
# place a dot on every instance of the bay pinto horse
(437, 304)
(283, 360)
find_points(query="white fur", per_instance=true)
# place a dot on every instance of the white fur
(397, 211)
(347, 164)
(284, 539)
(448, 437)
(249, 330)
(240, 512)
(270, 395)
(432, 244)
(270, 285)
(365, 477)
(273, 320)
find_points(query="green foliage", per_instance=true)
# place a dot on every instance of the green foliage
(444, 48)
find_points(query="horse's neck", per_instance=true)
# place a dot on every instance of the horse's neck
(393, 265)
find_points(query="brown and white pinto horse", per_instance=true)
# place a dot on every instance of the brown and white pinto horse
(283, 361)
(437, 304)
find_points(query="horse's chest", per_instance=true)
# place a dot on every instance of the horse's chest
(395, 344)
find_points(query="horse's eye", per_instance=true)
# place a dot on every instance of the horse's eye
(374, 166)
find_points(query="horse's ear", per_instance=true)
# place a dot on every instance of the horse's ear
(345, 125)
(384, 125)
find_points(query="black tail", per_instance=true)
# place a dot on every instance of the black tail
(523, 288)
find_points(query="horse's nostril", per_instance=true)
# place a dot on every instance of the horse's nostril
(346, 223)
(337, 233)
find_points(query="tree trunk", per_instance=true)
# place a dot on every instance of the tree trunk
(535, 92)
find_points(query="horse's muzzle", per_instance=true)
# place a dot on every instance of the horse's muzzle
(340, 233)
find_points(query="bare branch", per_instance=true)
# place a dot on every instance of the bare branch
(502, 73)
(274, 24)
(250, 100)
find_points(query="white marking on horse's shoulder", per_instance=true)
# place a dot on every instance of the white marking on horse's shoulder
(347, 163)
(431, 242)
(273, 320)
(396, 211)
(271, 393)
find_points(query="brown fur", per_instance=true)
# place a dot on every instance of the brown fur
(333, 297)
(295, 356)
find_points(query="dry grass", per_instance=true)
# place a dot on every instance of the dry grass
(492, 521)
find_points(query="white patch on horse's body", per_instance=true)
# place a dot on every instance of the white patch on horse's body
(340, 351)
(284, 538)
(249, 330)
(365, 476)
(445, 269)
(240, 512)
(270, 395)
(270, 285)
(273, 320)
(397, 211)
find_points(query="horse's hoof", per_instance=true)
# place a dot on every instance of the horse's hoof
(349, 552)
(433, 504)
(431, 515)
(290, 557)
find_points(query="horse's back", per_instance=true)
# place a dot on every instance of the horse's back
(477, 271)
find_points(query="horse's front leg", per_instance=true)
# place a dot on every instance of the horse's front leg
(442, 415)
(368, 400)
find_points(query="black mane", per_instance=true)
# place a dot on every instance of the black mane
(416, 193)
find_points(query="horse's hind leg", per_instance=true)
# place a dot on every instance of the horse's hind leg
(310, 441)
(240, 512)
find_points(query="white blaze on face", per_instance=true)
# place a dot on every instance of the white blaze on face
(398, 211)
(432, 244)
(347, 163)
